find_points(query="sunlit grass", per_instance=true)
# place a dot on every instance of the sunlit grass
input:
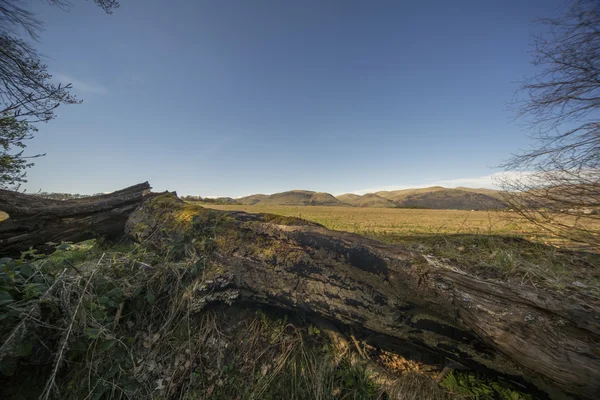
(400, 221)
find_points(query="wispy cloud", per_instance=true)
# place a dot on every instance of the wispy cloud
(82, 85)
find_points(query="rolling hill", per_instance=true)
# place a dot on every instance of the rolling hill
(454, 199)
(497, 194)
(397, 195)
(435, 197)
(366, 200)
(292, 198)
(252, 199)
(438, 197)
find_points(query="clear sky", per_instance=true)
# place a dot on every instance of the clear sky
(233, 97)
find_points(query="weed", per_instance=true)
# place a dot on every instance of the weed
(473, 386)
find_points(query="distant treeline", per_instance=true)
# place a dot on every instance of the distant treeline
(217, 200)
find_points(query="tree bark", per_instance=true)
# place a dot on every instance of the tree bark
(34, 221)
(551, 340)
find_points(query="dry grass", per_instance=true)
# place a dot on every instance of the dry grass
(400, 221)
(413, 222)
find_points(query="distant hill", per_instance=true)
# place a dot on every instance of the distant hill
(252, 199)
(292, 198)
(397, 195)
(366, 200)
(435, 197)
(497, 194)
(454, 199)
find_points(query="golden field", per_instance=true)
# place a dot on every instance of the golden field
(402, 224)
(401, 221)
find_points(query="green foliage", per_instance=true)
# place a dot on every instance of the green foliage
(22, 284)
(32, 294)
(13, 134)
(473, 386)
(508, 258)
(313, 330)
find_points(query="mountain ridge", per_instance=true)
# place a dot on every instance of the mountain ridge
(435, 197)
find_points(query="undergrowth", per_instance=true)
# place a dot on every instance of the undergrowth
(509, 259)
(89, 322)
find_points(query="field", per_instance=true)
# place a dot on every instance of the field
(404, 222)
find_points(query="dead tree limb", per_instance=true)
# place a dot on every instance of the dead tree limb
(551, 340)
(34, 221)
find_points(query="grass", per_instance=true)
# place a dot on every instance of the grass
(403, 222)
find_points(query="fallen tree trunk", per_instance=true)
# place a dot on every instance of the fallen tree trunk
(34, 221)
(551, 340)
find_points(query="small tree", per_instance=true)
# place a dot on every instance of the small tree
(12, 164)
(27, 94)
(556, 184)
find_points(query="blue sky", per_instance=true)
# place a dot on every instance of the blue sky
(234, 97)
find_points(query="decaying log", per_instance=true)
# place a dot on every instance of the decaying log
(551, 340)
(34, 221)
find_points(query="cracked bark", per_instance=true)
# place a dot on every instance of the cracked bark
(34, 221)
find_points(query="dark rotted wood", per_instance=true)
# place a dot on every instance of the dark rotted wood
(34, 221)
(551, 340)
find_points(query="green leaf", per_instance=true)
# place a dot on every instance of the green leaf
(8, 366)
(107, 344)
(40, 288)
(120, 353)
(131, 387)
(92, 333)
(111, 372)
(5, 260)
(26, 270)
(103, 300)
(116, 293)
(79, 345)
(99, 315)
(150, 298)
(64, 246)
(24, 349)
(99, 392)
(4, 295)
